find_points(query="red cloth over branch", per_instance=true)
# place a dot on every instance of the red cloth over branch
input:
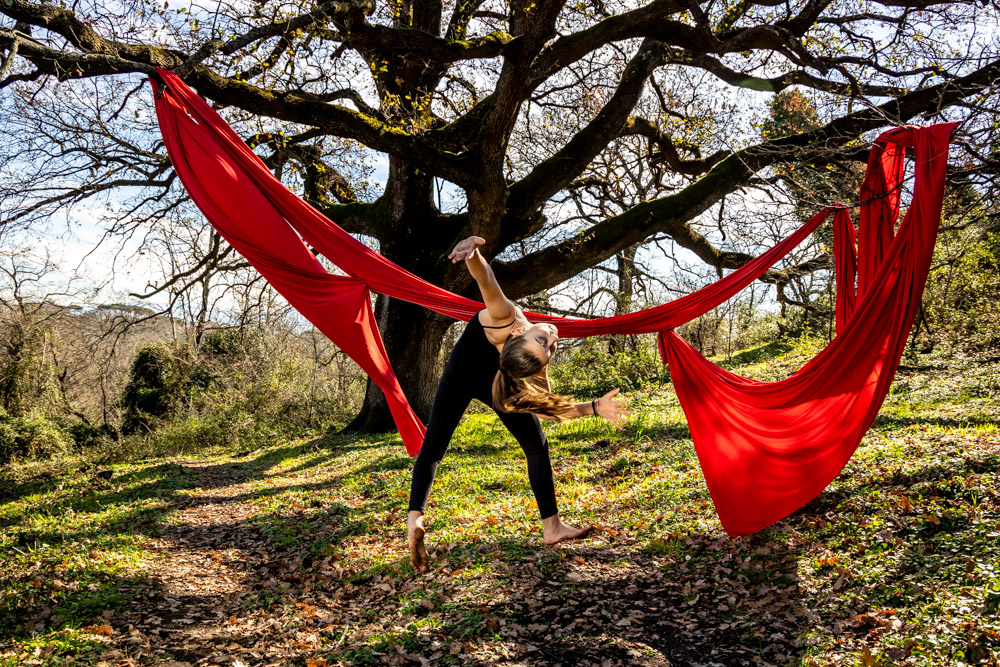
(766, 449)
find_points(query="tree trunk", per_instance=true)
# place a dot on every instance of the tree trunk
(416, 238)
(412, 337)
(625, 270)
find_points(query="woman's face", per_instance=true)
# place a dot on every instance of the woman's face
(540, 340)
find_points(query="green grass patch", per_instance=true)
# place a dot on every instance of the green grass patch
(897, 562)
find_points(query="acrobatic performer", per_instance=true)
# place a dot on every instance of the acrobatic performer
(502, 360)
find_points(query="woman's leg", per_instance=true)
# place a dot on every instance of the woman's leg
(449, 405)
(527, 429)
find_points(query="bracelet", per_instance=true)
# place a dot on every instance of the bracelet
(593, 406)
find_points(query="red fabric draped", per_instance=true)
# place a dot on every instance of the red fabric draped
(769, 448)
(845, 261)
(881, 192)
(739, 427)
(340, 307)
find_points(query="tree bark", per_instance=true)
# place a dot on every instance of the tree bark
(625, 270)
(414, 235)
(412, 337)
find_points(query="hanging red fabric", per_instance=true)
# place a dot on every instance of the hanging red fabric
(766, 444)
(845, 260)
(338, 306)
(769, 448)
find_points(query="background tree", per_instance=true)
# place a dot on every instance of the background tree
(29, 310)
(507, 102)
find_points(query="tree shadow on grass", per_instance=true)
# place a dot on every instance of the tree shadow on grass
(335, 445)
(12, 490)
(164, 482)
(701, 599)
(893, 422)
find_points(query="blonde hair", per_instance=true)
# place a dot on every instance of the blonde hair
(514, 390)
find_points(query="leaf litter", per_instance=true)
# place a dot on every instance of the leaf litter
(296, 554)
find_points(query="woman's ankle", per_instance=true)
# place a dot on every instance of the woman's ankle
(551, 523)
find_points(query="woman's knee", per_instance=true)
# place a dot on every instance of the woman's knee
(533, 443)
(431, 453)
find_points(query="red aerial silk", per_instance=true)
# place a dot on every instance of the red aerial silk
(338, 306)
(766, 449)
(845, 261)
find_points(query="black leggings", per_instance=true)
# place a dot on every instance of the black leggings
(469, 374)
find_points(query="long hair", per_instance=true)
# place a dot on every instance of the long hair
(513, 390)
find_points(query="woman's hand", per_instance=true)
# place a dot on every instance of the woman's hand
(465, 249)
(615, 411)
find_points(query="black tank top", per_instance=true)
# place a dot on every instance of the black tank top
(474, 361)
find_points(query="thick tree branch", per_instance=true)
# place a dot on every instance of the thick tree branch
(8, 57)
(668, 152)
(778, 83)
(552, 265)
(558, 171)
(356, 217)
(343, 94)
(66, 65)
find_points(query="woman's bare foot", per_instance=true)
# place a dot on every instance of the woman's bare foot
(418, 553)
(555, 531)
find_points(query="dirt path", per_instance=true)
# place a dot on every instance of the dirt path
(222, 593)
(203, 563)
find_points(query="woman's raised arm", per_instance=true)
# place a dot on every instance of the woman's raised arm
(498, 305)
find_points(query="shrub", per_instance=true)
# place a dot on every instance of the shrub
(86, 436)
(591, 369)
(32, 435)
(224, 430)
(962, 289)
(157, 383)
(27, 374)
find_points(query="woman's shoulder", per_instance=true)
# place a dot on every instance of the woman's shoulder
(490, 322)
(496, 330)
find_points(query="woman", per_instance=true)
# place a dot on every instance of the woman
(502, 360)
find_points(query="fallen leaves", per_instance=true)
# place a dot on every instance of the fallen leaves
(255, 566)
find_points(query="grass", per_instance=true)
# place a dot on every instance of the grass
(295, 553)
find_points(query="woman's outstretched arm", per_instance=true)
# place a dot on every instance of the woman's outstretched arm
(615, 411)
(499, 306)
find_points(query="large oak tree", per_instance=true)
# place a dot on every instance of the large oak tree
(510, 102)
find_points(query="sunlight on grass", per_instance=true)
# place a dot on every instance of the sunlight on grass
(897, 557)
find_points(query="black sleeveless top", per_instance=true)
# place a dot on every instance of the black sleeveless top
(474, 362)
